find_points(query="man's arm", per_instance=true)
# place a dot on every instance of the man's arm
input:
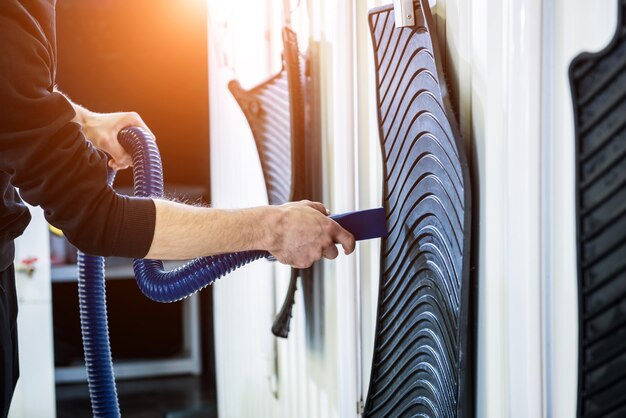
(47, 158)
(296, 233)
(46, 155)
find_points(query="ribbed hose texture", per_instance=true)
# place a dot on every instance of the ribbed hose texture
(94, 324)
(156, 283)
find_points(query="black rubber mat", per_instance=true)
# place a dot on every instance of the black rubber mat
(275, 110)
(598, 84)
(421, 363)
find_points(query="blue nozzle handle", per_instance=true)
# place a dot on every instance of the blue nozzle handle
(363, 224)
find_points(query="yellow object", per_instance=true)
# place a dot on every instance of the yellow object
(55, 230)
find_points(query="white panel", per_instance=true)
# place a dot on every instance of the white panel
(573, 26)
(36, 364)
(488, 133)
(34, 323)
(311, 383)
(243, 301)
(336, 31)
(507, 63)
(523, 90)
(34, 243)
(368, 183)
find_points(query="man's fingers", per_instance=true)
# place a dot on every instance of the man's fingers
(116, 166)
(317, 206)
(119, 154)
(133, 119)
(345, 238)
(120, 159)
(330, 252)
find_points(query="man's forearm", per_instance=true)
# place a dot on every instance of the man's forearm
(296, 233)
(183, 232)
(82, 114)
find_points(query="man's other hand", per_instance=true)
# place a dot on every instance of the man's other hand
(302, 233)
(102, 129)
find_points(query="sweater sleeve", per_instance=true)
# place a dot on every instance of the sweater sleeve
(48, 158)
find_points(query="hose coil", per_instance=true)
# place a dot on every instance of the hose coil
(154, 282)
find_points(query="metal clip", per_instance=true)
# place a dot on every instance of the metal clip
(404, 12)
(360, 407)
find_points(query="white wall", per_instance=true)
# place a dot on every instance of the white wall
(507, 61)
(510, 61)
(571, 27)
(243, 300)
(35, 391)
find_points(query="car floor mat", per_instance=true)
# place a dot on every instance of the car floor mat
(275, 111)
(598, 83)
(421, 362)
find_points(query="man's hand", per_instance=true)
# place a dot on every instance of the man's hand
(302, 233)
(102, 129)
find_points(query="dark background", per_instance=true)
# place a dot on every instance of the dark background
(147, 56)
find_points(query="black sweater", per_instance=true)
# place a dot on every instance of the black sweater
(45, 154)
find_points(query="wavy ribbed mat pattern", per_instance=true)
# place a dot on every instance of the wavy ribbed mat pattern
(599, 94)
(275, 111)
(420, 354)
(266, 108)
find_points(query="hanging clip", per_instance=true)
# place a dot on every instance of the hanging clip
(404, 12)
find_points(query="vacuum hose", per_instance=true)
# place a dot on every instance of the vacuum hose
(156, 283)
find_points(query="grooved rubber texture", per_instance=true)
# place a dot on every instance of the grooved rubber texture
(420, 358)
(598, 84)
(275, 112)
(266, 108)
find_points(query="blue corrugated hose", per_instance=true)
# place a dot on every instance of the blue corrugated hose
(156, 283)
(153, 280)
